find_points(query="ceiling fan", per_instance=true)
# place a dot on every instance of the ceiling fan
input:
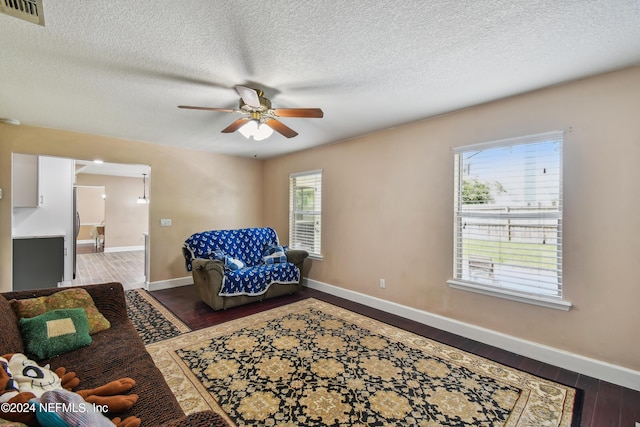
(257, 109)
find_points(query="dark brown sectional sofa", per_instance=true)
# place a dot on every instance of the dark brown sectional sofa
(114, 353)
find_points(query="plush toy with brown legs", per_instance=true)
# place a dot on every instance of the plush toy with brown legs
(23, 381)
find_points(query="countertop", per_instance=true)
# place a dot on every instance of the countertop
(39, 236)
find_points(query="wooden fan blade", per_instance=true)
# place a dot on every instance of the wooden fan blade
(236, 125)
(249, 96)
(224, 110)
(281, 128)
(299, 112)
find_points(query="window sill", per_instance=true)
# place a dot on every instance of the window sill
(510, 295)
(315, 257)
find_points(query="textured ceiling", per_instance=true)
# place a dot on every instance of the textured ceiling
(120, 68)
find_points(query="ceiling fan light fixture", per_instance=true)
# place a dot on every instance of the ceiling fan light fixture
(263, 132)
(257, 112)
(257, 130)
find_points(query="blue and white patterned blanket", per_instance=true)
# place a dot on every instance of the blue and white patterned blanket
(247, 245)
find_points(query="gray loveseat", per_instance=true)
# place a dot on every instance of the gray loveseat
(236, 267)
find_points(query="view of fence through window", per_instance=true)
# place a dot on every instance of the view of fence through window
(305, 201)
(509, 215)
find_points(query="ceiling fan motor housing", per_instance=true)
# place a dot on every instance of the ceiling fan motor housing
(265, 104)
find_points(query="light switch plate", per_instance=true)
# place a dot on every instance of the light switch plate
(165, 222)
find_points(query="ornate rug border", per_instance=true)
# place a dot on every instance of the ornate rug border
(187, 386)
(179, 324)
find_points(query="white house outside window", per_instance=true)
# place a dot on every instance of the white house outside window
(305, 211)
(508, 219)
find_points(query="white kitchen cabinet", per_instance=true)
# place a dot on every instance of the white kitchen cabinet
(26, 185)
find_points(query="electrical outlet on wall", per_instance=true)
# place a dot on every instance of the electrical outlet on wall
(383, 283)
(165, 222)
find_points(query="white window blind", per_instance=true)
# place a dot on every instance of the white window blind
(305, 211)
(508, 215)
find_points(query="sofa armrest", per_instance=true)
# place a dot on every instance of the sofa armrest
(188, 257)
(207, 278)
(209, 266)
(297, 256)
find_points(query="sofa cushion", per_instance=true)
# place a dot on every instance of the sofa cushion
(69, 298)
(274, 254)
(257, 280)
(217, 254)
(233, 264)
(55, 332)
(230, 263)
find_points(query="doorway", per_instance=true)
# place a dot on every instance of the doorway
(90, 212)
(113, 223)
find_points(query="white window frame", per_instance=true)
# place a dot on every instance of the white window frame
(491, 285)
(297, 240)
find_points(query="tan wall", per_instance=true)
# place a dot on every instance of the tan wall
(89, 203)
(85, 232)
(196, 190)
(125, 220)
(388, 213)
(90, 207)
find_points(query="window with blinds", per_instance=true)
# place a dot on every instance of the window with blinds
(305, 211)
(508, 216)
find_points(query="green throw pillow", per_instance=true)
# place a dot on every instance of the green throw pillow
(55, 332)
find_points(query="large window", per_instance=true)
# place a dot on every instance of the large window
(305, 211)
(508, 219)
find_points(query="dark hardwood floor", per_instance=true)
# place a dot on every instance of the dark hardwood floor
(601, 404)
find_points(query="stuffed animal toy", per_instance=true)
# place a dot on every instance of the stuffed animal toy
(77, 413)
(24, 382)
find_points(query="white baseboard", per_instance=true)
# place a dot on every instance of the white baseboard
(573, 362)
(124, 248)
(86, 242)
(170, 283)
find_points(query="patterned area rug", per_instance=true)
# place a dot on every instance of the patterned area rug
(314, 364)
(152, 320)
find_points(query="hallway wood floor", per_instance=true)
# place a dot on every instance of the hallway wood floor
(100, 267)
(603, 404)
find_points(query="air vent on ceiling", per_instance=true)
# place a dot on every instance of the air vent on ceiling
(29, 10)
